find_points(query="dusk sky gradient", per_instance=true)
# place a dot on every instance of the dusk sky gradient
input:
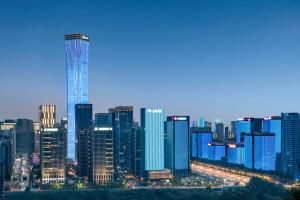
(221, 59)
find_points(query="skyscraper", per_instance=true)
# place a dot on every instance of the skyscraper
(77, 53)
(178, 143)
(102, 155)
(152, 127)
(24, 136)
(84, 125)
(47, 116)
(247, 125)
(102, 120)
(219, 130)
(290, 144)
(122, 123)
(53, 155)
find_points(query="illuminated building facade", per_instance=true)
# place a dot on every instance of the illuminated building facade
(77, 54)
(53, 155)
(235, 154)
(152, 142)
(290, 148)
(178, 141)
(216, 151)
(102, 155)
(260, 151)
(47, 116)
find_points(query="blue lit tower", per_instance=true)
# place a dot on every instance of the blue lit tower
(77, 51)
(152, 125)
(178, 142)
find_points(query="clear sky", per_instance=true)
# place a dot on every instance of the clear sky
(221, 59)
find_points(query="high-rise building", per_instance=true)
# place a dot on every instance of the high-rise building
(77, 54)
(152, 139)
(8, 124)
(200, 140)
(24, 137)
(290, 144)
(235, 154)
(47, 116)
(53, 155)
(84, 128)
(8, 143)
(37, 147)
(64, 123)
(102, 155)
(219, 131)
(247, 125)
(201, 122)
(136, 149)
(178, 142)
(122, 123)
(102, 120)
(216, 151)
(226, 134)
(260, 151)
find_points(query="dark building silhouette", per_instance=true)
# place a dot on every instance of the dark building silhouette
(24, 137)
(84, 127)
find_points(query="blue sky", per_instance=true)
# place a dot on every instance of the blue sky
(222, 59)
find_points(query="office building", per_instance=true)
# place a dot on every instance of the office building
(260, 151)
(37, 147)
(84, 128)
(247, 125)
(136, 149)
(102, 120)
(226, 134)
(77, 55)
(24, 137)
(216, 151)
(290, 144)
(201, 122)
(235, 154)
(178, 142)
(219, 131)
(53, 155)
(152, 141)
(8, 144)
(47, 116)
(102, 155)
(122, 123)
(64, 123)
(200, 140)
(8, 124)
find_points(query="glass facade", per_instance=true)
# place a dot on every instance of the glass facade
(290, 154)
(235, 154)
(273, 125)
(241, 126)
(260, 151)
(77, 51)
(203, 140)
(178, 144)
(216, 152)
(152, 124)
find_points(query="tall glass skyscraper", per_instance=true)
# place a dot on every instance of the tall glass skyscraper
(77, 51)
(152, 125)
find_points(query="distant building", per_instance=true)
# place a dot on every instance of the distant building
(8, 144)
(84, 128)
(216, 151)
(226, 134)
(178, 142)
(136, 149)
(77, 56)
(152, 141)
(7, 125)
(219, 131)
(24, 137)
(53, 155)
(260, 151)
(201, 122)
(102, 155)
(290, 144)
(64, 123)
(47, 116)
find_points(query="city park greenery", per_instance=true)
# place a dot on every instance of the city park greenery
(256, 189)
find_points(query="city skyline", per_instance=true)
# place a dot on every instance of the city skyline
(196, 58)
